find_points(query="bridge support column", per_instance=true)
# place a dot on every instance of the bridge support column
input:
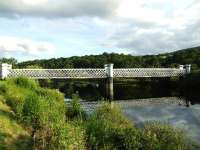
(4, 70)
(187, 71)
(109, 81)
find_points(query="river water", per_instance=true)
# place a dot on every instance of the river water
(171, 110)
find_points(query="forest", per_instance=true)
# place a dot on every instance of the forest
(173, 59)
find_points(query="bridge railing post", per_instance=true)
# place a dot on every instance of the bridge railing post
(181, 67)
(188, 68)
(4, 70)
(109, 81)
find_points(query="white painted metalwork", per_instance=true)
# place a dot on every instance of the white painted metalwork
(58, 73)
(108, 71)
(148, 72)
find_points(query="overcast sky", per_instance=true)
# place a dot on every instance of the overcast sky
(34, 29)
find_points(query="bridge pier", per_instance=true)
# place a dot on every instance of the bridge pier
(109, 81)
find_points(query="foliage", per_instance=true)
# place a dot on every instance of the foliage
(74, 110)
(12, 134)
(107, 128)
(69, 137)
(187, 56)
(12, 61)
(2, 99)
(41, 110)
(157, 136)
(24, 83)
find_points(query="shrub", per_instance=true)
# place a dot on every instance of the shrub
(24, 82)
(32, 111)
(15, 98)
(107, 128)
(44, 111)
(2, 99)
(68, 136)
(56, 106)
(41, 110)
(157, 136)
(74, 110)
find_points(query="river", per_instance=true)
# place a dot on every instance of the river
(170, 110)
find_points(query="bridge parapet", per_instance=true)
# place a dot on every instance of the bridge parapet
(58, 73)
(91, 73)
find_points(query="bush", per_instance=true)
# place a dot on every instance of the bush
(15, 99)
(157, 136)
(24, 82)
(41, 110)
(44, 111)
(2, 99)
(74, 110)
(107, 128)
(69, 137)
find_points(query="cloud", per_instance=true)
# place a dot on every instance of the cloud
(131, 26)
(24, 47)
(155, 27)
(57, 8)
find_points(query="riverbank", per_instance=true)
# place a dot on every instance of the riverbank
(51, 124)
(169, 110)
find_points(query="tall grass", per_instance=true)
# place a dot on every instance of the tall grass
(41, 110)
(107, 128)
(74, 110)
(159, 136)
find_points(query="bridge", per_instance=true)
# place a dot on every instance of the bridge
(108, 73)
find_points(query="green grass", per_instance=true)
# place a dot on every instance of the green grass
(12, 134)
(41, 111)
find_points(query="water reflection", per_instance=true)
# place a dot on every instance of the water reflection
(186, 118)
(93, 90)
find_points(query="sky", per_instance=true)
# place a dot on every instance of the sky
(42, 29)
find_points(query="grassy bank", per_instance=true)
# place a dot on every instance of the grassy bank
(12, 134)
(32, 117)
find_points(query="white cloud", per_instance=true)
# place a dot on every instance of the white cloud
(25, 47)
(155, 26)
(57, 8)
(135, 26)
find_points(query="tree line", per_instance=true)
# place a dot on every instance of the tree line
(173, 59)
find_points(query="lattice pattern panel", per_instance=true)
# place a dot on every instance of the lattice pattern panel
(58, 73)
(148, 72)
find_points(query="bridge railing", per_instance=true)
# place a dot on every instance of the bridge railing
(89, 73)
(58, 73)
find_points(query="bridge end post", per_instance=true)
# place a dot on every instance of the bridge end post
(4, 70)
(109, 81)
(188, 68)
(181, 67)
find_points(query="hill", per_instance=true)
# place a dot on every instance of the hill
(173, 59)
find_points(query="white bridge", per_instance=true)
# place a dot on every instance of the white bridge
(107, 73)
(90, 73)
